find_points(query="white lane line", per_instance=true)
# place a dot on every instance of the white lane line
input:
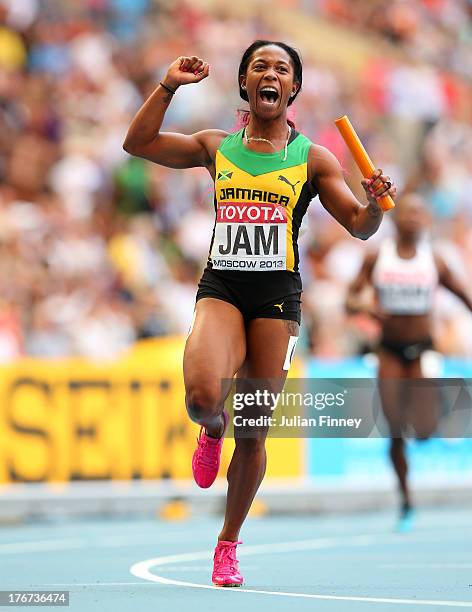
(142, 569)
(119, 541)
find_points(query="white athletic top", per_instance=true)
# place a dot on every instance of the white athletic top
(405, 286)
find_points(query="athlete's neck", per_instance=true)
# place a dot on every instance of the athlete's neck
(408, 240)
(274, 130)
(407, 245)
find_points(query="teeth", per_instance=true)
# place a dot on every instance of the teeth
(269, 89)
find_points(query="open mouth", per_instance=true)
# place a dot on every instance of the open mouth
(268, 94)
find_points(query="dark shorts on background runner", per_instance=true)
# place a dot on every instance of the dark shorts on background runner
(407, 351)
(266, 295)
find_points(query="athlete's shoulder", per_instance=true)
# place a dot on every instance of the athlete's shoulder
(211, 140)
(322, 163)
(211, 137)
(322, 156)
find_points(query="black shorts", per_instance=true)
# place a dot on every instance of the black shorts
(407, 351)
(266, 295)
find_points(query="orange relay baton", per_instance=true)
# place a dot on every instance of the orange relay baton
(360, 156)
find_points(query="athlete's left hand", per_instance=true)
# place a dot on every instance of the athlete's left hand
(377, 186)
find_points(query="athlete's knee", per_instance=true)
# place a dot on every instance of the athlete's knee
(203, 401)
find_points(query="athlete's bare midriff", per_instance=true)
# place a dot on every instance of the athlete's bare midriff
(407, 328)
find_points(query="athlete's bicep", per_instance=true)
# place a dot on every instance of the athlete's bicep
(180, 150)
(334, 194)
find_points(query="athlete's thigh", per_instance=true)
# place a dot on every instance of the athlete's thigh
(423, 402)
(216, 344)
(391, 384)
(270, 347)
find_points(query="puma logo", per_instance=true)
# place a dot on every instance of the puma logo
(280, 306)
(285, 180)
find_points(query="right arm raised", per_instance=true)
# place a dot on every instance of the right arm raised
(170, 149)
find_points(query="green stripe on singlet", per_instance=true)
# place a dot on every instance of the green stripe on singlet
(256, 164)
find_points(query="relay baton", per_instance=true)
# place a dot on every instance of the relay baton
(360, 156)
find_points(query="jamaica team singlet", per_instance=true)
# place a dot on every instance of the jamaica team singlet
(260, 201)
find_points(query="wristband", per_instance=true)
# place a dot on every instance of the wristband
(171, 91)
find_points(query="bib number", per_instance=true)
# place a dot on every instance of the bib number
(250, 237)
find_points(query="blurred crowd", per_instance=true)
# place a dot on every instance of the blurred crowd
(98, 249)
(437, 32)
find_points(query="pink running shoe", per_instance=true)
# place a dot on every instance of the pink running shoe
(225, 565)
(206, 458)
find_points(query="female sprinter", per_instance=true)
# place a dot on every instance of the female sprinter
(404, 273)
(248, 301)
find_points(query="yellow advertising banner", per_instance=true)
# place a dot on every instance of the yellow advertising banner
(79, 420)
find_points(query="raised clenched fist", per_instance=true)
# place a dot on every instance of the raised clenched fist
(186, 70)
